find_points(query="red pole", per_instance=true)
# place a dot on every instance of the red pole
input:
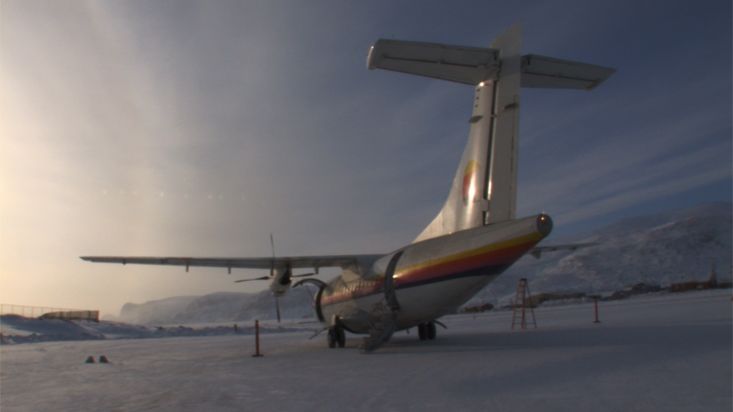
(595, 304)
(257, 340)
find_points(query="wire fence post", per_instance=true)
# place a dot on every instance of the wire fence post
(257, 353)
(595, 307)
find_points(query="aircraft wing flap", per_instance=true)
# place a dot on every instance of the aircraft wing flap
(294, 262)
(467, 65)
(549, 72)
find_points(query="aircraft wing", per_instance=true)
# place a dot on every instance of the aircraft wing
(539, 250)
(315, 262)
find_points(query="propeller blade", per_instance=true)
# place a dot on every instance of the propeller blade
(272, 248)
(272, 274)
(318, 332)
(302, 275)
(247, 280)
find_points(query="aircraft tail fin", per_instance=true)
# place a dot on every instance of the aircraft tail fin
(484, 188)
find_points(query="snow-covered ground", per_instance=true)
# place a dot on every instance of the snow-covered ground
(665, 352)
(17, 330)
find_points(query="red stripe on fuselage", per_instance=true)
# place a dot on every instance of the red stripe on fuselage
(445, 270)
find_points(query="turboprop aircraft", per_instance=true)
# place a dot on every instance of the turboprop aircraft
(473, 238)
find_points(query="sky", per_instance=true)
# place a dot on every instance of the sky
(199, 128)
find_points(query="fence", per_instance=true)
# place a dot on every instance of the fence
(48, 312)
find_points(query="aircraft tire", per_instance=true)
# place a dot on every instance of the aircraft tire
(421, 331)
(331, 338)
(431, 332)
(340, 336)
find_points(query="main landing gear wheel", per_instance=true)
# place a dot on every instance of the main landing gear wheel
(336, 336)
(431, 332)
(331, 337)
(340, 337)
(426, 331)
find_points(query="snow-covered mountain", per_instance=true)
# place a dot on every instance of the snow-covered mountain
(661, 249)
(154, 310)
(220, 307)
(658, 249)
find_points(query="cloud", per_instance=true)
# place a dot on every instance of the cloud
(654, 142)
(624, 199)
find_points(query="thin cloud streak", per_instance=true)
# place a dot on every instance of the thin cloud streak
(584, 211)
(623, 159)
(670, 142)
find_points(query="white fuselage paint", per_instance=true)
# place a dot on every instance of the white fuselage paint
(434, 277)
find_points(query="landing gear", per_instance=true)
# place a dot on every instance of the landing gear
(426, 331)
(431, 332)
(336, 336)
(331, 337)
(340, 337)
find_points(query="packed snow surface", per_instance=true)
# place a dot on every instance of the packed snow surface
(17, 329)
(667, 352)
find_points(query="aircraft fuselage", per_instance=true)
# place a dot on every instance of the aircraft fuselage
(430, 278)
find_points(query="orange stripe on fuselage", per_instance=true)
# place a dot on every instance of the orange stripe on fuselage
(490, 255)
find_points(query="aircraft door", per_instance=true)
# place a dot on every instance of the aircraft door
(389, 286)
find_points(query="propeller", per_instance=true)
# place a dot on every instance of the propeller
(302, 275)
(318, 332)
(272, 265)
(272, 276)
(247, 280)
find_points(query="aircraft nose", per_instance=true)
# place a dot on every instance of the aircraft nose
(544, 224)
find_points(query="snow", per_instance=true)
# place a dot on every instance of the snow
(17, 329)
(663, 352)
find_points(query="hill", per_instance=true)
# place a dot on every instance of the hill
(657, 249)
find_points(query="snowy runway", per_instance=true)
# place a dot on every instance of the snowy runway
(668, 352)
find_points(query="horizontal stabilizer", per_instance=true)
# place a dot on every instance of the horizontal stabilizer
(472, 65)
(468, 65)
(548, 72)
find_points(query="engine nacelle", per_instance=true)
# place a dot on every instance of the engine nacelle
(281, 280)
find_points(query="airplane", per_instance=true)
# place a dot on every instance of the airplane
(474, 237)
